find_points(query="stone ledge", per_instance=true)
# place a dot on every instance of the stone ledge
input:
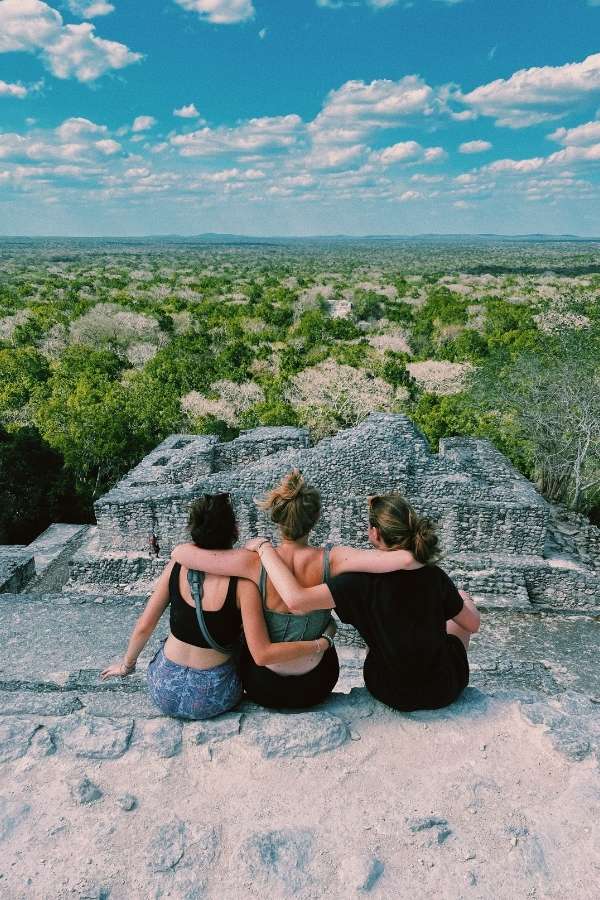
(571, 719)
(17, 568)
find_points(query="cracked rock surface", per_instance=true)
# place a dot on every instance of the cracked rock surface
(496, 796)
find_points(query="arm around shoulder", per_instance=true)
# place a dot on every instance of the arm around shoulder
(240, 563)
(297, 598)
(350, 559)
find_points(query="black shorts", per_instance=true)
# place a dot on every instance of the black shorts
(407, 698)
(274, 691)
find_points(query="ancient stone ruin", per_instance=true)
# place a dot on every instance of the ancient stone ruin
(501, 539)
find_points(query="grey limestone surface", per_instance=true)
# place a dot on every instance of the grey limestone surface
(52, 543)
(61, 642)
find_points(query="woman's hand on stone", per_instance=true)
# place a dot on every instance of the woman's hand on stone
(117, 670)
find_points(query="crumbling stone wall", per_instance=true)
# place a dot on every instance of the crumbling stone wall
(495, 526)
(17, 568)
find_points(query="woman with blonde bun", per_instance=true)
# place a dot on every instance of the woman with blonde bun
(295, 506)
(416, 624)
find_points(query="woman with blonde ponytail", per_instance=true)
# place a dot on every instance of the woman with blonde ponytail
(416, 624)
(294, 506)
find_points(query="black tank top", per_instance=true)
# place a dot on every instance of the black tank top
(224, 625)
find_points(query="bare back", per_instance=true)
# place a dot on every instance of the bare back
(215, 591)
(307, 565)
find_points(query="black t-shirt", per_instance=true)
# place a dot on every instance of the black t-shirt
(402, 617)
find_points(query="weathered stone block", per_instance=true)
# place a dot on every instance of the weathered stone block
(15, 737)
(92, 737)
(298, 734)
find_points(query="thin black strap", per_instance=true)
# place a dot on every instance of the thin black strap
(326, 562)
(262, 585)
(196, 583)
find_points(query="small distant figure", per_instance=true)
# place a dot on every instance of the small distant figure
(154, 545)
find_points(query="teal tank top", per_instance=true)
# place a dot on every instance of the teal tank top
(288, 627)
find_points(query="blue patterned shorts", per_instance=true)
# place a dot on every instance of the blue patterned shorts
(187, 693)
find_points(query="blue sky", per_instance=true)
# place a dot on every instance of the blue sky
(299, 116)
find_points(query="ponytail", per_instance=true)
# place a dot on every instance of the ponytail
(402, 528)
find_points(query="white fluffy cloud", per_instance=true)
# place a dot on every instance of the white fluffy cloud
(68, 51)
(89, 9)
(357, 108)
(380, 4)
(580, 136)
(13, 90)
(78, 53)
(375, 4)
(570, 156)
(474, 147)
(220, 12)
(187, 112)
(268, 132)
(76, 139)
(334, 157)
(535, 95)
(407, 151)
(27, 25)
(407, 196)
(77, 126)
(143, 123)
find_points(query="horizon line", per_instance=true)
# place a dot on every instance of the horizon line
(303, 237)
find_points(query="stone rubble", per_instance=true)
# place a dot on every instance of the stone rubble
(85, 791)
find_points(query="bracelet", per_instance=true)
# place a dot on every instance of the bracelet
(127, 667)
(262, 544)
(328, 639)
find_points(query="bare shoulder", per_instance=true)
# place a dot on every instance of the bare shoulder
(313, 565)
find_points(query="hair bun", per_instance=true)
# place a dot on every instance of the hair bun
(291, 486)
(425, 538)
(401, 527)
(293, 504)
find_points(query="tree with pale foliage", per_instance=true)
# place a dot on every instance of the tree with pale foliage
(229, 403)
(555, 399)
(559, 409)
(330, 396)
(108, 323)
(440, 377)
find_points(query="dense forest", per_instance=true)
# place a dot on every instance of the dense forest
(107, 347)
